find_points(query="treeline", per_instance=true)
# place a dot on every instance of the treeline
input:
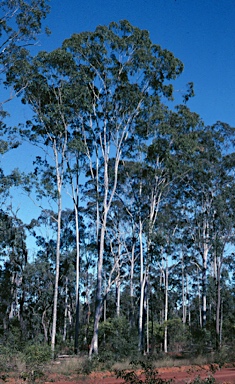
(136, 233)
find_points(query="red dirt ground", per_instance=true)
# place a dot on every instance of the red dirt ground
(180, 375)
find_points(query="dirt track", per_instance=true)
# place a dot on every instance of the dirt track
(180, 375)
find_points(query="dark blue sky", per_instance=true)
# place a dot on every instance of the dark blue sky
(199, 32)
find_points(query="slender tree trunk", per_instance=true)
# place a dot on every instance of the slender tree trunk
(98, 311)
(77, 279)
(65, 309)
(59, 176)
(45, 325)
(204, 305)
(147, 325)
(142, 288)
(118, 297)
(75, 198)
(184, 316)
(88, 314)
(132, 283)
(204, 252)
(166, 306)
(109, 192)
(188, 301)
(199, 300)
(56, 288)
(218, 310)
(221, 323)
(118, 281)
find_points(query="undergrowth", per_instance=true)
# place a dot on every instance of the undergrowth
(147, 370)
(149, 375)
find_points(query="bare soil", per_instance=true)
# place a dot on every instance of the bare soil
(180, 375)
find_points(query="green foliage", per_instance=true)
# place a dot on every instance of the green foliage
(178, 334)
(117, 339)
(148, 371)
(28, 363)
(208, 380)
(7, 358)
(36, 354)
(149, 375)
(13, 337)
(35, 357)
(20, 24)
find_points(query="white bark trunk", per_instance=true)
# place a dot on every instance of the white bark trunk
(166, 306)
(142, 285)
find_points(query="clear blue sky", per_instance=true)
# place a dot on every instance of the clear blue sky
(199, 32)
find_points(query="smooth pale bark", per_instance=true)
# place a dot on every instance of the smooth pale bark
(118, 297)
(155, 199)
(77, 279)
(132, 262)
(147, 325)
(98, 311)
(108, 195)
(59, 177)
(219, 322)
(184, 310)
(188, 301)
(204, 283)
(166, 305)
(142, 285)
(65, 309)
(218, 312)
(44, 323)
(74, 183)
(55, 301)
(199, 299)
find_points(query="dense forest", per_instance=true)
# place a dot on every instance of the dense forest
(135, 239)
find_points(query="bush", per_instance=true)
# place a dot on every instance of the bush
(148, 371)
(117, 339)
(7, 359)
(36, 354)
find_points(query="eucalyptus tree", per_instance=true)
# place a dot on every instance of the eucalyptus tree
(165, 150)
(54, 103)
(204, 192)
(223, 233)
(102, 94)
(14, 259)
(20, 25)
(126, 77)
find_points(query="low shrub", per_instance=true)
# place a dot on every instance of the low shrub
(148, 371)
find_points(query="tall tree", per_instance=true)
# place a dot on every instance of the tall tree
(48, 92)
(20, 24)
(126, 77)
